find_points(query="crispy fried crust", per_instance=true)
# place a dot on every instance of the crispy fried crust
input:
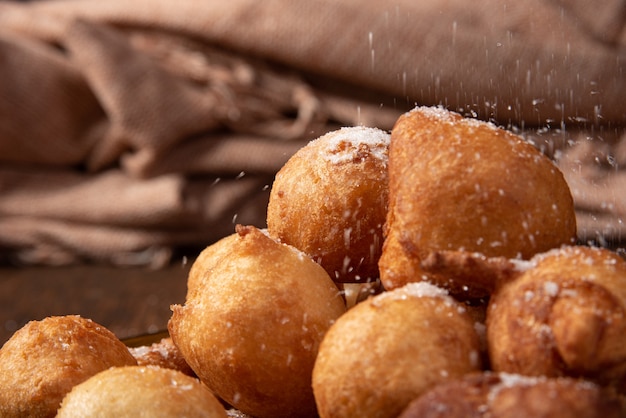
(467, 269)
(390, 348)
(43, 360)
(565, 316)
(145, 391)
(501, 395)
(330, 201)
(461, 184)
(251, 328)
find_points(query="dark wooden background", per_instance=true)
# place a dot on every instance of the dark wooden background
(128, 301)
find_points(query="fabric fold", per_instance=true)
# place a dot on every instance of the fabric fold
(137, 97)
(510, 61)
(128, 129)
(111, 217)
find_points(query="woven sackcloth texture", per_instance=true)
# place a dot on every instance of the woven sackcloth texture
(129, 129)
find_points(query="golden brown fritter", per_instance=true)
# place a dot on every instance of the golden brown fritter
(390, 348)
(330, 201)
(141, 391)
(456, 183)
(503, 395)
(565, 315)
(43, 360)
(251, 326)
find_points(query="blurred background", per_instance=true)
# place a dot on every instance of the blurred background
(134, 134)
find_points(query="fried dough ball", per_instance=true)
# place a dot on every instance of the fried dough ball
(565, 315)
(163, 353)
(251, 327)
(44, 359)
(457, 183)
(141, 391)
(330, 201)
(390, 348)
(503, 395)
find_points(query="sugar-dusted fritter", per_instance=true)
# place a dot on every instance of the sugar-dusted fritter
(504, 395)
(330, 201)
(565, 315)
(43, 360)
(392, 347)
(251, 325)
(141, 391)
(461, 184)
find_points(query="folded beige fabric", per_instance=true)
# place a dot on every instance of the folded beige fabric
(131, 128)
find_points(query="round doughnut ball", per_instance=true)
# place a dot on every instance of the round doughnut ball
(44, 359)
(457, 183)
(389, 349)
(565, 315)
(251, 327)
(330, 201)
(141, 391)
(503, 395)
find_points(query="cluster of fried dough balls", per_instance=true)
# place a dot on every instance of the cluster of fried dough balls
(44, 360)
(477, 302)
(330, 201)
(554, 341)
(459, 184)
(253, 319)
(70, 366)
(469, 204)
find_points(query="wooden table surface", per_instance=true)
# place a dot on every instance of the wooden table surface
(129, 301)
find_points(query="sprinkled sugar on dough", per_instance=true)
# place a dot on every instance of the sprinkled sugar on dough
(330, 201)
(569, 312)
(500, 395)
(462, 184)
(349, 144)
(389, 349)
(141, 391)
(415, 290)
(252, 322)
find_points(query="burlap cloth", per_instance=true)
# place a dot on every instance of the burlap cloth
(131, 128)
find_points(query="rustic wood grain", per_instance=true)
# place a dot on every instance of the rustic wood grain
(129, 302)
